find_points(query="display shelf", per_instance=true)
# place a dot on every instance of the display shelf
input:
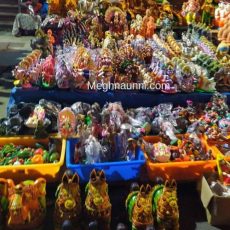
(127, 98)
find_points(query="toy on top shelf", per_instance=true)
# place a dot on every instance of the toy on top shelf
(190, 10)
(136, 25)
(28, 70)
(222, 13)
(208, 11)
(97, 203)
(42, 41)
(83, 68)
(148, 25)
(115, 17)
(68, 201)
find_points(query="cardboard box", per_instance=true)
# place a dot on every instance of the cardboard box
(217, 207)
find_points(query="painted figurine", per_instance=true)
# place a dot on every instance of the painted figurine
(222, 13)
(116, 19)
(84, 68)
(190, 10)
(27, 204)
(66, 123)
(165, 205)
(153, 207)
(136, 25)
(148, 25)
(68, 201)
(208, 12)
(139, 205)
(131, 150)
(97, 203)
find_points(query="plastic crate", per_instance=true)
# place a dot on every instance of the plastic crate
(214, 146)
(181, 171)
(115, 171)
(49, 171)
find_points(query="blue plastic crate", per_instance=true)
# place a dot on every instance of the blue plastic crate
(115, 171)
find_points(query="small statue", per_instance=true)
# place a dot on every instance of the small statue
(42, 43)
(68, 201)
(97, 203)
(66, 123)
(51, 39)
(131, 150)
(208, 12)
(27, 204)
(84, 68)
(48, 72)
(190, 10)
(136, 25)
(96, 33)
(148, 25)
(105, 66)
(116, 19)
(222, 13)
(139, 205)
(166, 207)
(109, 42)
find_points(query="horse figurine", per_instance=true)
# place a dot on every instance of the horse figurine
(140, 208)
(97, 203)
(165, 205)
(27, 204)
(68, 203)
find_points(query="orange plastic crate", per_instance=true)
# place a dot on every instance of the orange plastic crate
(181, 171)
(49, 171)
(215, 149)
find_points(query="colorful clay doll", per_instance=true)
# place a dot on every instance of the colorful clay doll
(136, 25)
(165, 205)
(97, 203)
(27, 204)
(116, 19)
(208, 12)
(68, 202)
(139, 205)
(153, 207)
(190, 10)
(148, 25)
(222, 13)
(84, 68)
(66, 123)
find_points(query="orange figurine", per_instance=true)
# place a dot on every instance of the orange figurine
(151, 26)
(148, 25)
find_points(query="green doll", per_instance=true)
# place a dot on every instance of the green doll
(208, 12)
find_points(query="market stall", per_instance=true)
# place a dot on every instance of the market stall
(117, 93)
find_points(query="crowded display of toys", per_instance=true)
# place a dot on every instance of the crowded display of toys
(108, 53)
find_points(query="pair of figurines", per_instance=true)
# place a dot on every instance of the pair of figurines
(68, 205)
(150, 207)
(23, 206)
